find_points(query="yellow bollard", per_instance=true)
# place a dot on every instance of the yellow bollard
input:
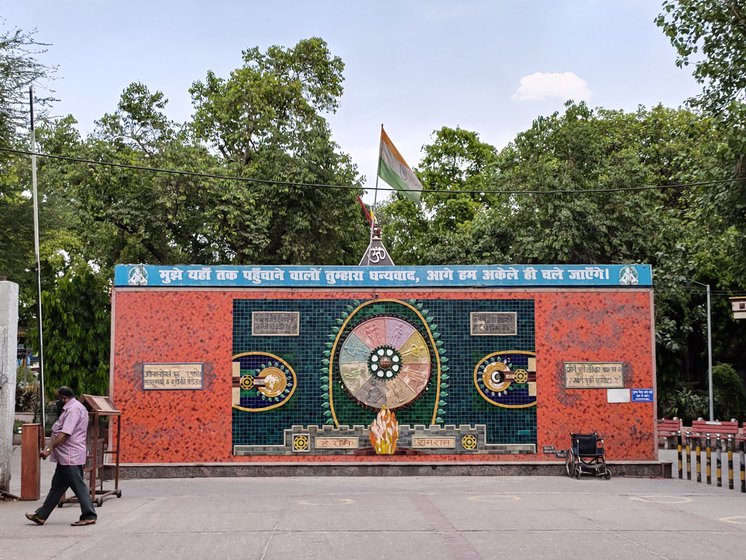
(688, 456)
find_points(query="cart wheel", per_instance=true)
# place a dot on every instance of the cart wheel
(607, 474)
(119, 493)
(100, 502)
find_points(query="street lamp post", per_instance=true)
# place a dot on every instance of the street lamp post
(709, 352)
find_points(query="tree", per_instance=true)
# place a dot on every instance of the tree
(19, 69)
(76, 330)
(266, 121)
(134, 215)
(555, 167)
(441, 231)
(553, 215)
(711, 36)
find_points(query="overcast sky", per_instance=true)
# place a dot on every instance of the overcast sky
(413, 65)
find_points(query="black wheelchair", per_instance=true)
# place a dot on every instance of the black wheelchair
(586, 455)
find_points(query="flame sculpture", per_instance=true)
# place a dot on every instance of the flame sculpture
(384, 432)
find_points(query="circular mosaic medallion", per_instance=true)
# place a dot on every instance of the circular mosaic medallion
(520, 376)
(494, 376)
(275, 382)
(469, 442)
(301, 443)
(384, 361)
(507, 378)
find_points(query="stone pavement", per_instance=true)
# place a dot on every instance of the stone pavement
(526, 517)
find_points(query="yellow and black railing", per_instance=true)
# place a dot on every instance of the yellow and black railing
(689, 450)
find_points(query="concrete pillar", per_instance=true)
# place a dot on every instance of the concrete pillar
(8, 350)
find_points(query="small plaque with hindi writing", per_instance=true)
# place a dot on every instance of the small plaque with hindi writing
(336, 443)
(493, 323)
(275, 323)
(171, 376)
(434, 442)
(594, 375)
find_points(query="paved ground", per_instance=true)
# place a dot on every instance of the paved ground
(390, 517)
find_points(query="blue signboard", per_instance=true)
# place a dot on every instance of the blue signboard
(490, 276)
(642, 395)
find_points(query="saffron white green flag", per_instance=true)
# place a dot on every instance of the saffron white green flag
(394, 170)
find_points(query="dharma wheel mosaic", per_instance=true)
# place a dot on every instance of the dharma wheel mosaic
(384, 361)
(385, 353)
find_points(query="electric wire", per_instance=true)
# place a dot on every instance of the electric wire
(222, 177)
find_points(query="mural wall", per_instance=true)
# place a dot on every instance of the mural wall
(353, 357)
(211, 374)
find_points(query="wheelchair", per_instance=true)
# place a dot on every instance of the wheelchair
(587, 455)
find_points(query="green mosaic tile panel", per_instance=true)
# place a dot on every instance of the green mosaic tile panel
(309, 354)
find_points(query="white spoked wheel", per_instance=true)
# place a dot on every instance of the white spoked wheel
(570, 463)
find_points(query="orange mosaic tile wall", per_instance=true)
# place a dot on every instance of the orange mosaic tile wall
(192, 325)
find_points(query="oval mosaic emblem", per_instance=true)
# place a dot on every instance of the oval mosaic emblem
(261, 381)
(507, 379)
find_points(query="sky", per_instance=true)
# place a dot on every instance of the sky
(413, 65)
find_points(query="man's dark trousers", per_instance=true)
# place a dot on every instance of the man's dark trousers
(68, 476)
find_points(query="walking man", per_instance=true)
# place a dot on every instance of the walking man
(67, 447)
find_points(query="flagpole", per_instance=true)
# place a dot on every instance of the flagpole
(375, 192)
(38, 259)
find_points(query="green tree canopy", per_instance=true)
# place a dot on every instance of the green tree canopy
(711, 36)
(19, 69)
(267, 122)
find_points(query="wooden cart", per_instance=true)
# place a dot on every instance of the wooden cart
(103, 430)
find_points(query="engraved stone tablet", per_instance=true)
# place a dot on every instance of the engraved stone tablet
(171, 376)
(275, 323)
(594, 375)
(493, 323)
(336, 442)
(434, 442)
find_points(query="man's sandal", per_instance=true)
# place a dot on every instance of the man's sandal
(33, 516)
(81, 522)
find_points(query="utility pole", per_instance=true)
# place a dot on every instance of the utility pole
(38, 258)
(709, 352)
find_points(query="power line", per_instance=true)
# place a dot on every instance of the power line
(697, 290)
(354, 187)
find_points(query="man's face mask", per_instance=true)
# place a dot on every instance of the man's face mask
(60, 404)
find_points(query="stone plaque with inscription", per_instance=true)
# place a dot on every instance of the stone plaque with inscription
(493, 323)
(419, 442)
(336, 443)
(594, 375)
(275, 323)
(171, 376)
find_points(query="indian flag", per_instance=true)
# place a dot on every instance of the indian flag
(394, 170)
